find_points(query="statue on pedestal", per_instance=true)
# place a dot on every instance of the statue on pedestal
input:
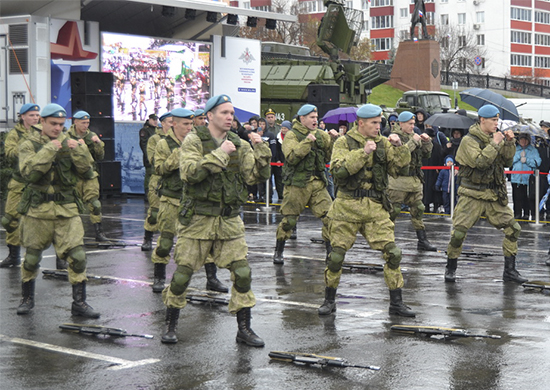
(419, 16)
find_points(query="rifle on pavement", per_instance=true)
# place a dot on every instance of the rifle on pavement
(64, 275)
(312, 359)
(447, 333)
(538, 285)
(368, 268)
(476, 254)
(101, 331)
(203, 298)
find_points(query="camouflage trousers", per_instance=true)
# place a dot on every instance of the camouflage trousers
(151, 221)
(88, 190)
(193, 253)
(314, 195)
(468, 211)
(411, 199)
(378, 230)
(15, 191)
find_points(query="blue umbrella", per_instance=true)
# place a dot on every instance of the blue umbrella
(347, 114)
(478, 97)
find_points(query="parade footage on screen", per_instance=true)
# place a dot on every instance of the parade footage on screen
(155, 75)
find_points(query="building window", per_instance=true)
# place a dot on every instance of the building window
(521, 37)
(444, 42)
(542, 62)
(382, 44)
(430, 16)
(542, 17)
(381, 3)
(520, 60)
(480, 17)
(480, 39)
(246, 4)
(461, 41)
(403, 12)
(444, 19)
(462, 63)
(384, 21)
(444, 1)
(542, 39)
(365, 25)
(461, 18)
(520, 14)
(404, 35)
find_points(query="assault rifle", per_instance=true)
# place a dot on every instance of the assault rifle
(200, 298)
(477, 254)
(369, 268)
(64, 275)
(537, 284)
(447, 333)
(310, 358)
(101, 331)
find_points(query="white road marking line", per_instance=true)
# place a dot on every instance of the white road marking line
(120, 363)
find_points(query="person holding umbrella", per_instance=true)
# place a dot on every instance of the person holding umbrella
(483, 154)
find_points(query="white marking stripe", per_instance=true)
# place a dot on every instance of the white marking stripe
(120, 363)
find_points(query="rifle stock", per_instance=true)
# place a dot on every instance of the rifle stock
(447, 333)
(101, 330)
(200, 298)
(312, 359)
(537, 284)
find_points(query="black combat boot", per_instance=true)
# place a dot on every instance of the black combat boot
(14, 257)
(27, 303)
(79, 306)
(294, 234)
(159, 277)
(279, 249)
(397, 306)
(60, 263)
(510, 273)
(450, 270)
(172, 316)
(99, 236)
(329, 305)
(423, 243)
(245, 334)
(147, 241)
(212, 282)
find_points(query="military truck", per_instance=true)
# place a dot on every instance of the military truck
(292, 77)
(430, 101)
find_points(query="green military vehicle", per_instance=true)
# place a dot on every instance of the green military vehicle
(292, 77)
(430, 101)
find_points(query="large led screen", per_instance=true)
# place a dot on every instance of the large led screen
(154, 75)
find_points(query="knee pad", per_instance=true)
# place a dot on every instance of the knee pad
(392, 254)
(336, 259)
(417, 209)
(243, 276)
(153, 217)
(181, 279)
(32, 259)
(395, 211)
(79, 259)
(96, 207)
(457, 237)
(165, 243)
(7, 223)
(291, 221)
(513, 235)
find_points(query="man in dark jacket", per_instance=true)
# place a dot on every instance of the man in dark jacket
(145, 133)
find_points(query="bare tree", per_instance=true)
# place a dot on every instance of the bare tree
(459, 48)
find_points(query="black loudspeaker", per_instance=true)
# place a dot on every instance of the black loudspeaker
(103, 127)
(98, 106)
(323, 108)
(109, 149)
(91, 83)
(109, 176)
(322, 93)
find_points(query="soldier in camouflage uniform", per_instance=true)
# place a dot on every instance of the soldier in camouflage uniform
(147, 131)
(51, 162)
(483, 154)
(89, 189)
(29, 116)
(361, 163)
(307, 150)
(150, 224)
(406, 188)
(216, 165)
(167, 164)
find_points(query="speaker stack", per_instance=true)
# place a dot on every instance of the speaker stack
(92, 92)
(325, 97)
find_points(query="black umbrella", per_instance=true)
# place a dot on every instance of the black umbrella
(478, 97)
(450, 121)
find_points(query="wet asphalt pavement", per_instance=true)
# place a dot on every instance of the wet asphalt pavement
(36, 354)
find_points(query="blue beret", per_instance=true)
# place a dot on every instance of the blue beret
(392, 117)
(53, 110)
(199, 112)
(183, 113)
(216, 101)
(286, 124)
(29, 107)
(306, 109)
(405, 116)
(164, 116)
(81, 115)
(488, 111)
(369, 111)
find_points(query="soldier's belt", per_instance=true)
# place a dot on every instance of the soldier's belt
(361, 193)
(478, 187)
(217, 211)
(57, 198)
(170, 193)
